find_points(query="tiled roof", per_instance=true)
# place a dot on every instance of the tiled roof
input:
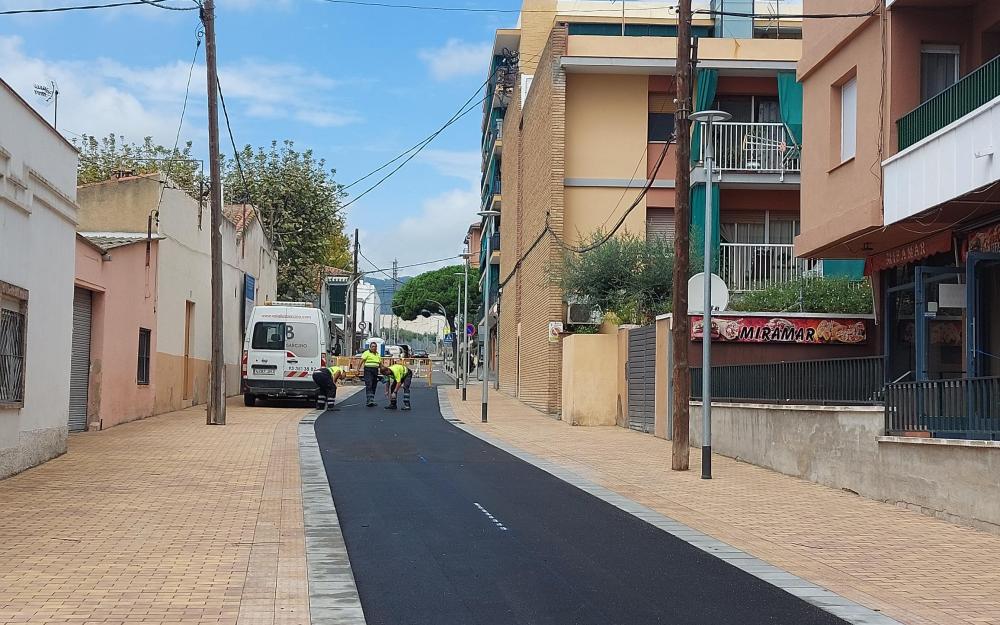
(235, 212)
(110, 240)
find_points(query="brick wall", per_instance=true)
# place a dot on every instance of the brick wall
(533, 175)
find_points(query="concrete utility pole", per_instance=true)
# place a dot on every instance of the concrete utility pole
(354, 297)
(393, 328)
(217, 390)
(680, 458)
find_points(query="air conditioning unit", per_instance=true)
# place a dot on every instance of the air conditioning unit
(582, 313)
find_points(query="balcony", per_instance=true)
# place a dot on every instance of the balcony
(756, 266)
(946, 146)
(751, 148)
(971, 92)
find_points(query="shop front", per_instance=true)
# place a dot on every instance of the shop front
(941, 308)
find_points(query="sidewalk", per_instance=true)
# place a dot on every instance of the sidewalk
(164, 520)
(916, 569)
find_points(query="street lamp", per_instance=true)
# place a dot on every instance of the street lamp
(465, 333)
(707, 118)
(444, 312)
(488, 216)
(458, 308)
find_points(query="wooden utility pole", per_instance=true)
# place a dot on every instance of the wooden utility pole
(217, 389)
(354, 297)
(680, 457)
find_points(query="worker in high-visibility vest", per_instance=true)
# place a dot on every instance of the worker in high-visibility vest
(398, 378)
(371, 360)
(326, 379)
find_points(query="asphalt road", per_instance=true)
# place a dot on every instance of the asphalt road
(444, 529)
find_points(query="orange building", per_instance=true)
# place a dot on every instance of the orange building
(903, 108)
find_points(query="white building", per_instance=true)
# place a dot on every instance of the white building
(38, 214)
(368, 306)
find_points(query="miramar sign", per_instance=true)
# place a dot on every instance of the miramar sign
(794, 330)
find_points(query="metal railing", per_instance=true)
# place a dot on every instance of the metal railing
(959, 408)
(490, 142)
(755, 266)
(965, 96)
(753, 147)
(840, 381)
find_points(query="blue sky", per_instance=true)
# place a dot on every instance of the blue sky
(356, 84)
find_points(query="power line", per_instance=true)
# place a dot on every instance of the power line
(786, 16)
(159, 5)
(458, 9)
(88, 7)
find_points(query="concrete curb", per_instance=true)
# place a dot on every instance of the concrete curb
(333, 594)
(818, 596)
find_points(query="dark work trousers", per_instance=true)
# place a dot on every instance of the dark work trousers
(327, 387)
(405, 384)
(371, 384)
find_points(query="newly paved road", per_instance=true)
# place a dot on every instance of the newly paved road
(444, 529)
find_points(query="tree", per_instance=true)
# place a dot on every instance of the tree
(299, 203)
(440, 285)
(100, 159)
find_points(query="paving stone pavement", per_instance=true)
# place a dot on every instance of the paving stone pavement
(914, 568)
(163, 520)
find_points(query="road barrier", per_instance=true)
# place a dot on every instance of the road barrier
(421, 367)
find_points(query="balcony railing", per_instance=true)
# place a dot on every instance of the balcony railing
(839, 381)
(960, 408)
(965, 96)
(756, 266)
(490, 140)
(753, 147)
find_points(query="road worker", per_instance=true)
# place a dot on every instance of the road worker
(326, 379)
(371, 360)
(398, 377)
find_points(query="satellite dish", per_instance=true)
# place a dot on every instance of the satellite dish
(696, 293)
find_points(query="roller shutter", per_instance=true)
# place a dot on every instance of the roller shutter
(641, 374)
(79, 377)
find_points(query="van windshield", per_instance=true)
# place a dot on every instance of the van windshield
(302, 339)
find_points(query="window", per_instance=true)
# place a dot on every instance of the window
(268, 335)
(938, 69)
(661, 127)
(302, 339)
(747, 108)
(848, 119)
(142, 370)
(13, 328)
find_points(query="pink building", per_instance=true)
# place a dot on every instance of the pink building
(115, 290)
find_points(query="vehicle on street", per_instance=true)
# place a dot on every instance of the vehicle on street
(421, 353)
(285, 342)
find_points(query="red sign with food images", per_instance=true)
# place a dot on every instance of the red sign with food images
(983, 240)
(799, 330)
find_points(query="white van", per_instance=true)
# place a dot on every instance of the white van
(285, 343)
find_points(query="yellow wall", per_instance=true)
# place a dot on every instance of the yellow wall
(117, 205)
(660, 389)
(589, 386)
(666, 48)
(537, 18)
(588, 208)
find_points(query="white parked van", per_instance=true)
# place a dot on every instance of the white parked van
(285, 343)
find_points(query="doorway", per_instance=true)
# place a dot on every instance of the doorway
(79, 376)
(188, 337)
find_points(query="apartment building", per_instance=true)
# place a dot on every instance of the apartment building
(119, 216)
(581, 109)
(904, 106)
(38, 213)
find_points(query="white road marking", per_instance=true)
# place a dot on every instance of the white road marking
(492, 518)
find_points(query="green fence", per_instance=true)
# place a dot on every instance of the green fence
(955, 102)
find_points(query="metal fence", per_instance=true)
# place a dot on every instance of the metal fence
(974, 90)
(756, 266)
(962, 408)
(12, 332)
(841, 381)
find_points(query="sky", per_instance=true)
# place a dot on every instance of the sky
(357, 85)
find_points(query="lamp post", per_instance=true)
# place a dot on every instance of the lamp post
(707, 118)
(488, 215)
(458, 308)
(465, 332)
(444, 313)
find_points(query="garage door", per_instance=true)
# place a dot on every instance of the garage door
(79, 376)
(641, 378)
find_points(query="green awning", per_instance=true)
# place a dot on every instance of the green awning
(698, 223)
(708, 81)
(790, 102)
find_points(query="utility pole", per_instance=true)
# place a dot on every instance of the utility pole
(393, 332)
(217, 391)
(354, 297)
(680, 457)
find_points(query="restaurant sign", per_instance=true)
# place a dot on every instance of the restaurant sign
(985, 240)
(908, 254)
(794, 330)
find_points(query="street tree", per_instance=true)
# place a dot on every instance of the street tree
(102, 158)
(440, 285)
(299, 202)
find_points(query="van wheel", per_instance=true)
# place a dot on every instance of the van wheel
(249, 400)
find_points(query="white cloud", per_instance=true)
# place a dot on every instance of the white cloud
(100, 96)
(464, 164)
(457, 58)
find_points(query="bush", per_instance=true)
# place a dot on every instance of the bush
(816, 295)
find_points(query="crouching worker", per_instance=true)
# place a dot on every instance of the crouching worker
(399, 377)
(326, 379)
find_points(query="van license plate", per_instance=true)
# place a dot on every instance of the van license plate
(263, 371)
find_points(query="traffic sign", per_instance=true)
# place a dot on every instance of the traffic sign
(448, 338)
(470, 329)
